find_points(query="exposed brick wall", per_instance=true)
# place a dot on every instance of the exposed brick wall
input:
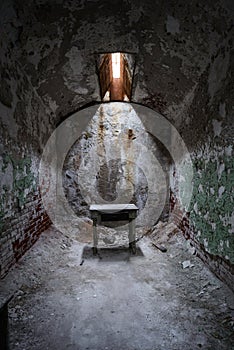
(21, 232)
(221, 267)
(25, 125)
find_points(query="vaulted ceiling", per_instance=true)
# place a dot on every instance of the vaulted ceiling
(176, 43)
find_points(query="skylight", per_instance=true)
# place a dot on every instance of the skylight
(115, 76)
(115, 58)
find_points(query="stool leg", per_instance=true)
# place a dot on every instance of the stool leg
(95, 236)
(132, 236)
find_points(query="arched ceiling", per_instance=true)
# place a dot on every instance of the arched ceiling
(175, 43)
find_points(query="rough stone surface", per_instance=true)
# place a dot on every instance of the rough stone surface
(114, 161)
(211, 210)
(25, 125)
(184, 70)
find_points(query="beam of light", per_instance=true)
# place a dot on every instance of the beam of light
(116, 64)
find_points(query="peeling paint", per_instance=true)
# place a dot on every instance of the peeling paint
(200, 188)
(218, 73)
(23, 180)
(220, 169)
(228, 150)
(113, 151)
(221, 191)
(222, 110)
(217, 225)
(173, 25)
(217, 127)
(183, 71)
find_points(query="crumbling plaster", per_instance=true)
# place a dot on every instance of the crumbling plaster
(115, 160)
(174, 42)
(184, 70)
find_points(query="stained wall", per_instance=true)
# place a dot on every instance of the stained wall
(184, 70)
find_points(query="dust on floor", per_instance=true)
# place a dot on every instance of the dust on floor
(66, 298)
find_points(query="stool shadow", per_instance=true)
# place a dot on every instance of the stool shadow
(109, 254)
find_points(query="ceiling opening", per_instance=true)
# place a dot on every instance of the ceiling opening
(115, 76)
(115, 61)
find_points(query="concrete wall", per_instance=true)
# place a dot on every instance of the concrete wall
(184, 70)
(210, 220)
(24, 128)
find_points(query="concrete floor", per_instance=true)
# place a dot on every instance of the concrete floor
(116, 301)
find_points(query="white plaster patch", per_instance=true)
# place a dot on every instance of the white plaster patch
(173, 25)
(200, 188)
(26, 192)
(199, 173)
(222, 110)
(140, 91)
(217, 127)
(211, 155)
(181, 177)
(75, 59)
(221, 190)
(93, 83)
(206, 242)
(228, 220)
(220, 170)
(228, 151)
(52, 104)
(213, 225)
(212, 191)
(81, 91)
(74, 68)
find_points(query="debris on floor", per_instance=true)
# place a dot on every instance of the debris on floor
(163, 232)
(187, 263)
(119, 302)
(160, 247)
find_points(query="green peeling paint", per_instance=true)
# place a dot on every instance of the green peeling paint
(211, 211)
(23, 180)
